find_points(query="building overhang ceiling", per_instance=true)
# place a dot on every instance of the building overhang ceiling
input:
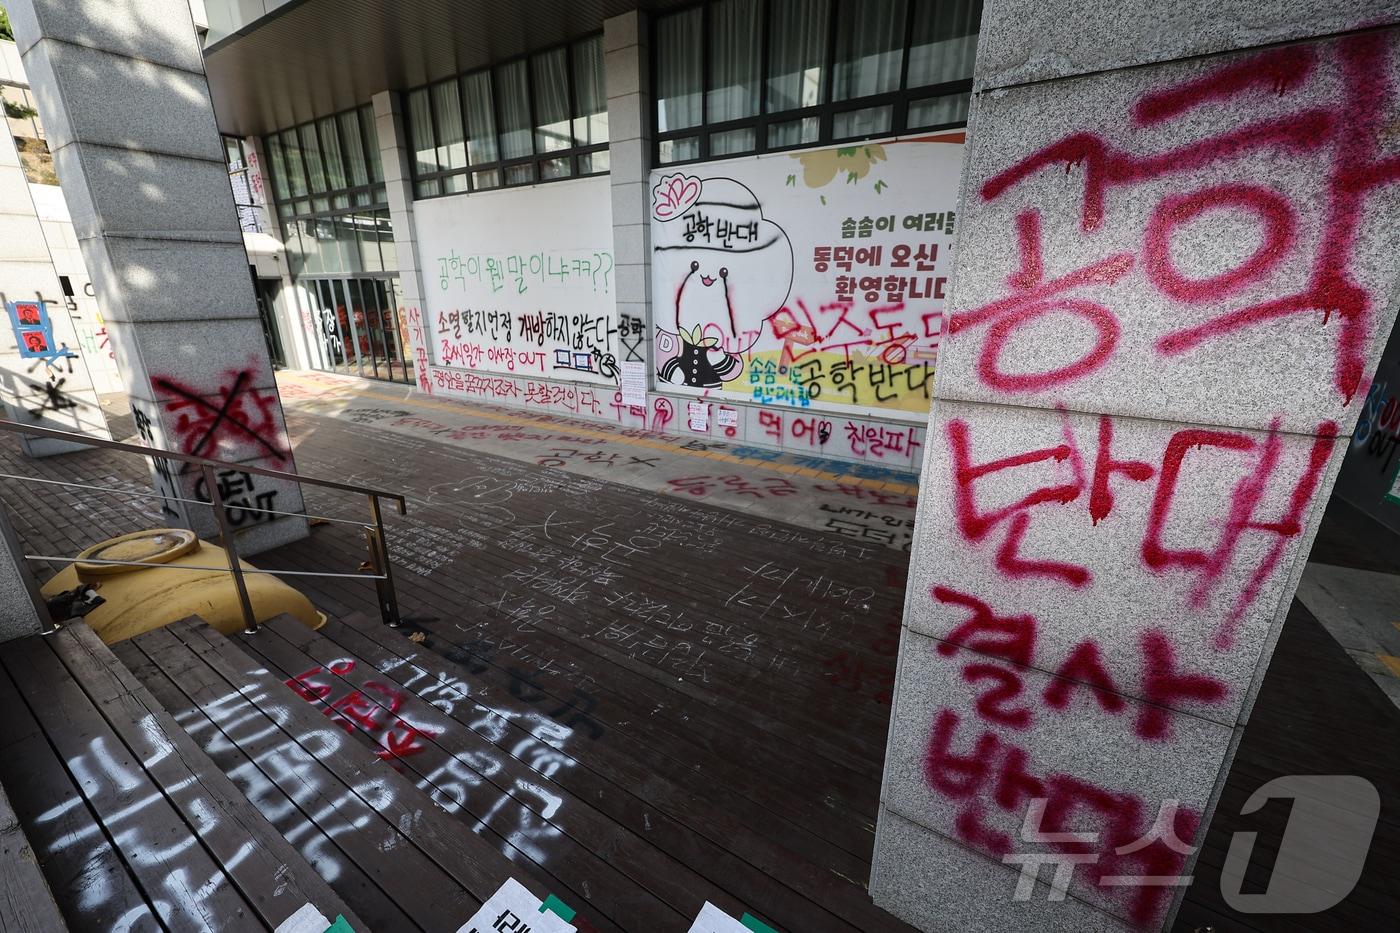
(316, 57)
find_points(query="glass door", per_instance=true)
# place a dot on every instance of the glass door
(357, 324)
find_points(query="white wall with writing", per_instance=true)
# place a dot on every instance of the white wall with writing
(812, 279)
(520, 281)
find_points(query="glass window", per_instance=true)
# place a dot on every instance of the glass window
(311, 152)
(311, 246)
(296, 171)
(549, 79)
(279, 168)
(481, 120)
(538, 112)
(451, 139)
(326, 242)
(944, 41)
(869, 48)
(561, 167)
(591, 163)
(679, 150)
(330, 144)
(735, 31)
(868, 121)
(938, 111)
(731, 142)
(794, 133)
(590, 97)
(376, 170)
(678, 70)
(345, 241)
(420, 126)
(513, 110)
(796, 53)
(352, 149)
(835, 70)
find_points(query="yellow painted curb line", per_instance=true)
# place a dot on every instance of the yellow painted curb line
(1390, 661)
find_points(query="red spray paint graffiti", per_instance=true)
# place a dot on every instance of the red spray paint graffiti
(1345, 132)
(241, 414)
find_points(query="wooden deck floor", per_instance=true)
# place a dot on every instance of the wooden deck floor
(130, 825)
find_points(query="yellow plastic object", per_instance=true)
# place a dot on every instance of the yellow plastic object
(139, 599)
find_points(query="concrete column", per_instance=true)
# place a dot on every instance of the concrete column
(398, 184)
(627, 75)
(127, 110)
(44, 380)
(1175, 270)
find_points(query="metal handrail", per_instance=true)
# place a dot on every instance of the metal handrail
(144, 451)
(163, 497)
(374, 529)
(152, 563)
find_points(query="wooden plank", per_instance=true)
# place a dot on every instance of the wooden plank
(187, 888)
(773, 883)
(255, 717)
(272, 876)
(88, 878)
(288, 786)
(523, 765)
(521, 814)
(475, 866)
(26, 903)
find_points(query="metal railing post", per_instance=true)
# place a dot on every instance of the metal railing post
(250, 624)
(379, 560)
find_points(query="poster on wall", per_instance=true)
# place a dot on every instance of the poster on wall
(43, 381)
(520, 281)
(812, 279)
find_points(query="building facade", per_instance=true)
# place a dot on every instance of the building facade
(729, 219)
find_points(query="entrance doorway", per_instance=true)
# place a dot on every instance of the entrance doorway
(265, 292)
(356, 326)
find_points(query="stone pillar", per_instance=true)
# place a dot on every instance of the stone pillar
(398, 184)
(1175, 269)
(126, 107)
(627, 75)
(44, 380)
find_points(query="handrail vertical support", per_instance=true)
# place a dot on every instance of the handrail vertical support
(226, 541)
(379, 560)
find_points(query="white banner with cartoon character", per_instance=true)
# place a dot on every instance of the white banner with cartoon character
(810, 279)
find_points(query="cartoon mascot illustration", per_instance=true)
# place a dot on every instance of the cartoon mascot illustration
(720, 270)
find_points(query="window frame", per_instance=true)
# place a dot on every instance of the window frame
(373, 190)
(826, 112)
(502, 166)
